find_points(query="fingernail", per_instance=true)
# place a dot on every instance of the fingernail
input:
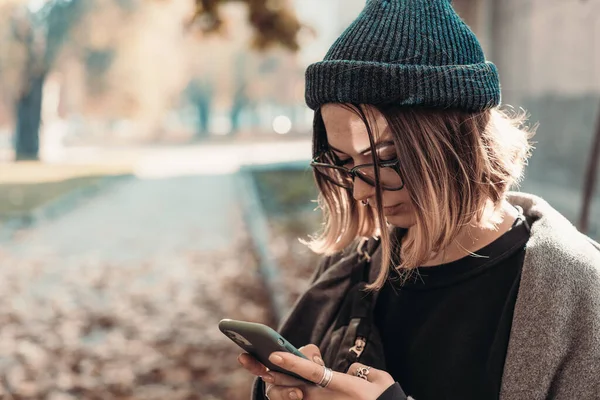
(293, 395)
(275, 359)
(240, 360)
(268, 378)
(318, 360)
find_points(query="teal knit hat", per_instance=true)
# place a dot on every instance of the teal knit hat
(409, 53)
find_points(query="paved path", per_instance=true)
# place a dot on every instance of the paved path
(140, 218)
(180, 199)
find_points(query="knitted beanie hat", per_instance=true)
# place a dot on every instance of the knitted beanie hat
(409, 53)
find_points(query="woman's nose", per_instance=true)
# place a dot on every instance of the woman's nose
(362, 190)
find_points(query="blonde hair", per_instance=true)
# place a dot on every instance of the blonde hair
(452, 162)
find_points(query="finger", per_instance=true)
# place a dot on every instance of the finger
(314, 372)
(254, 366)
(284, 393)
(312, 352)
(372, 374)
(286, 380)
(362, 371)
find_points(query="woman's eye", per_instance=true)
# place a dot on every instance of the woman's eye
(384, 157)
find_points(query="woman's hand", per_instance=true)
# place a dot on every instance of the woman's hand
(342, 386)
(287, 384)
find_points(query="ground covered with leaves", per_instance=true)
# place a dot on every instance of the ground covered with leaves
(141, 331)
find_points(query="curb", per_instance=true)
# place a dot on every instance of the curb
(258, 227)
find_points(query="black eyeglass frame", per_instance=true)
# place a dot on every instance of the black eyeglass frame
(394, 164)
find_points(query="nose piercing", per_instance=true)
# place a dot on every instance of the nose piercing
(365, 202)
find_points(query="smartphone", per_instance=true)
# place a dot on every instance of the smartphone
(259, 341)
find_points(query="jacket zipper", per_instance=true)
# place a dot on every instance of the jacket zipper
(356, 350)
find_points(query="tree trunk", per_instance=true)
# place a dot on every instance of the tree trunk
(590, 179)
(29, 115)
(200, 93)
(203, 109)
(237, 107)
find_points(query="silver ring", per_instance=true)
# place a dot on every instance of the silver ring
(362, 373)
(327, 377)
(365, 202)
(267, 388)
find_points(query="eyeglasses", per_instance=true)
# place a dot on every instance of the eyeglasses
(389, 172)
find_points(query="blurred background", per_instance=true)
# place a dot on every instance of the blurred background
(154, 174)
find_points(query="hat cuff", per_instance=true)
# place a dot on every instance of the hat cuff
(473, 87)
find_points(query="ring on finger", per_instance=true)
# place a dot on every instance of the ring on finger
(327, 377)
(269, 387)
(362, 372)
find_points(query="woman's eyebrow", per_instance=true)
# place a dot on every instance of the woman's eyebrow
(368, 149)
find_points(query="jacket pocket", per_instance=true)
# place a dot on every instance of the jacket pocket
(342, 340)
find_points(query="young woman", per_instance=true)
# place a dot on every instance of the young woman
(437, 282)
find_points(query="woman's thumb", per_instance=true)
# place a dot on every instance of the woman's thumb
(313, 353)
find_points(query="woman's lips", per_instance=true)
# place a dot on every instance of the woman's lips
(392, 209)
(389, 209)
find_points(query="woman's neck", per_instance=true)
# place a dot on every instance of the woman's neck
(476, 236)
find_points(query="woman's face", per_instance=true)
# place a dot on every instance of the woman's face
(349, 140)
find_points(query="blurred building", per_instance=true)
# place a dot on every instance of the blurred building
(548, 55)
(328, 19)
